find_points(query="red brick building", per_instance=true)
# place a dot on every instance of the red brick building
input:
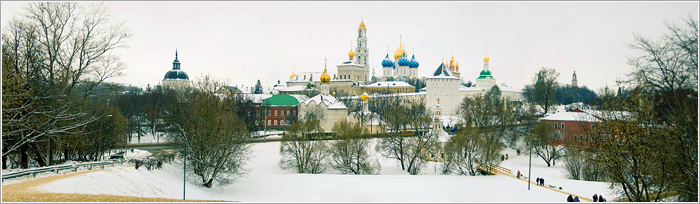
(572, 128)
(277, 111)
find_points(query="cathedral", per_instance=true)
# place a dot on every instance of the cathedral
(176, 78)
(401, 68)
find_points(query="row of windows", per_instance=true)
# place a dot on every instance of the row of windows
(557, 126)
(581, 138)
(269, 112)
(276, 122)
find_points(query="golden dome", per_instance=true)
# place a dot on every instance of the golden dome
(364, 96)
(333, 93)
(457, 64)
(399, 52)
(452, 61)
(362, 25)
(293, 74)
(324, 77)
(351, 54)
(486, 59)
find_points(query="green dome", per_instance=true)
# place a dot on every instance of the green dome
(485, 74)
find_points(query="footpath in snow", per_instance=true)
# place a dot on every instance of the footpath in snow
(266, 182)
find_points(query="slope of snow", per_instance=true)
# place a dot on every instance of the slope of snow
(266, 182)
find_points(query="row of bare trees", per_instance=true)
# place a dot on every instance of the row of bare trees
(55, 57)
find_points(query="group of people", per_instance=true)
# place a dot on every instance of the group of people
(540, 181)
(504, 157)
(598, 198)
(571, 199)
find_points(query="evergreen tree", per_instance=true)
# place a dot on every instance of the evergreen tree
(258, 88)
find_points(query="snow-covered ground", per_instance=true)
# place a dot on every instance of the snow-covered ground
(266, 182)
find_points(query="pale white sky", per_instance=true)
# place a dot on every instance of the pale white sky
(245, 41)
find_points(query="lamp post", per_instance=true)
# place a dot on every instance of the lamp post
(184, 172)
(529, 169)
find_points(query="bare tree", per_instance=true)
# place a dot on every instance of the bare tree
(541, 140)
(667, 69)
(542, 90)
(408, 139)
(216, 140)
(65, 50)
(301, 153)
(349, 153)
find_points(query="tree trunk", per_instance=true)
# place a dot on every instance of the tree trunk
(208, 183)
(4, 161)
(65, 152)
(25, 157)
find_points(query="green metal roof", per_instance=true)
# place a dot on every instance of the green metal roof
(281, 100)
(485, 74)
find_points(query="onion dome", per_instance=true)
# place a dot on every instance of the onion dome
(324, 77)
(485, 74)
(293, 74)
(362, 26)
(452, 61)
(414, 63)
(404, 60)
(333, 93)
(351, 54)
(486, 59)
(364, 96)
(387, 61)
(399, 52)
(457, 65)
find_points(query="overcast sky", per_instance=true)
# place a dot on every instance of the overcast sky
(245, 41)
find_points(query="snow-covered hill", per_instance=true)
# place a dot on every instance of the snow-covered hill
(266, 182)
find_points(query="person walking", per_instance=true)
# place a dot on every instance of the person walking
(506, 156)
(595, 197)
(569, 199)
(537, 181)
(576, 199)
(600, 198)
(542, 181)
(518, 175)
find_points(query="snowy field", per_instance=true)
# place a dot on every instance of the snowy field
(266, 182)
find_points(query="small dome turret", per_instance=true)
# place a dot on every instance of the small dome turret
(414, 63)
(324, 77)
(364, 96)
(404, 60)
(387, 61)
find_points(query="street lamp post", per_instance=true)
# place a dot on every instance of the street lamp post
(529, 170)
(184, 172)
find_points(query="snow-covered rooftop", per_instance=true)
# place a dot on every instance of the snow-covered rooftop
(389, 84)
(572, 116)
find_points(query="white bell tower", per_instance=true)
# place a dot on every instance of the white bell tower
(362, 52)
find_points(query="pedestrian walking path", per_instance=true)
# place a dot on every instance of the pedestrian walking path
(504, 171)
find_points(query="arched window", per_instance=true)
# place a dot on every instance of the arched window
(275, 122)
(287, 112)
(269, 122)
(275, 112)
